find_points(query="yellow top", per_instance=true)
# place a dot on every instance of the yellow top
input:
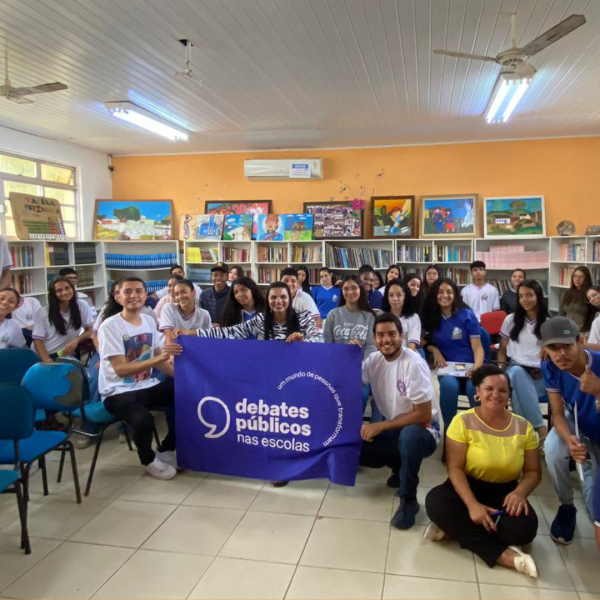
(493, 455)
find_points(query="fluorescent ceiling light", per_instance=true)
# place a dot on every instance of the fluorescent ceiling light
(508, 91)
(140, 117)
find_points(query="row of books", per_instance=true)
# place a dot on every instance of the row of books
(57, 254)
(571, 252)
(202, 255)
(151, 286)
(271, 254)
(236, 255)
(22, 256)
(304, 254)
(268, 275)
(24, 284)
(85, 254)
(140, 261)
(198, 275)
(408, 253)
(453, 254)
(353, 258)
(565, 275)
(459, 276)
(533, 259)
(596, 252)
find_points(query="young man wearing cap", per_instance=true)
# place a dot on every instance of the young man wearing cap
(213, 299)
(572, 378)
(301, 301)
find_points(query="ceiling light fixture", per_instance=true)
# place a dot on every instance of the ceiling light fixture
(508, 91)
(140, 117)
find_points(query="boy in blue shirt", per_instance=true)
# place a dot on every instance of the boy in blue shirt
(572, 380)
(326, 295)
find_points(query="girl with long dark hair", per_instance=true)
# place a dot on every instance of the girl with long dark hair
(304, 279)
(245, 301)
(574, 302)
(593, 297)
(398, 300)
(393, 272)
(510, 298)
(183, 313)
(432, 274)
(415, 285)
(11, 335)
(520, 342)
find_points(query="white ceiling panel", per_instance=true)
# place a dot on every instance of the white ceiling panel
(270, 74)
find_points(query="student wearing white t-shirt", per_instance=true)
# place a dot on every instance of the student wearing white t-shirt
(480, 296)
(183, 313)
(301, 301)
(25, 311)
(128, 353)
(398, 300)
(6, 263)
(11, 335)
(520, 340)
(409, 432)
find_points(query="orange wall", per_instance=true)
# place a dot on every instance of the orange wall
(565, 171)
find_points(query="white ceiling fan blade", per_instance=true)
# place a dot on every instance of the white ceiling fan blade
(18, 100)
(553, 35)
(465, 55)
(38, 89)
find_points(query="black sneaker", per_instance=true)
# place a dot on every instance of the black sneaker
(563, 526)
(394, 479)
(405, 515)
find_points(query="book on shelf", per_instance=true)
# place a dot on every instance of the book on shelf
(57, 254)
(268, 274)
(453, 253)
(85, 253)
(24, 284)
(565, 275)
(198, 275)
(512, 257)
(195, 254)
(419, 253)
(85, 276)
(596, 252)
(140, 261)
(595, 275)
(272, 254)
(236, 255)
(354, 258)
(459, 276)
(22, 256)
(307, 254)
(571, 252)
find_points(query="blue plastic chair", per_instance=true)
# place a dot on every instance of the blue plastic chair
(16, 424)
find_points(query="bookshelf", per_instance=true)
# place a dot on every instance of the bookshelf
(566, 253)
(28, 275)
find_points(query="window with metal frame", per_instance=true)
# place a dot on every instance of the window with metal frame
(41, 178)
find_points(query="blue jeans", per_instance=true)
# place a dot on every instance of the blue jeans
(450, 388)
(526, 394)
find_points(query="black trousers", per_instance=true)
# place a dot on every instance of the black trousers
(134, 408)
(447, 510)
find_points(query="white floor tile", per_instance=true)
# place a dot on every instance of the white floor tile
(505, 592)
(155, 575)
(9, 510)
(312, 582)
(369, 502)
(586, 596)
(297, 498)
(432, 473)
(110, 481)
(347, 544)
(366, 475)
(195, 530)
(150, 489)
(403, 587)
(70, 571)
(269, 537)
(127, 524)
(410, 554)
(235, 578)
(220, 491)
(583, 563)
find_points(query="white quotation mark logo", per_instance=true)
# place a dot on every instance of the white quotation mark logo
(211, 426)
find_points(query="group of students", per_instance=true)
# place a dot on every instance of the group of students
(492, 454)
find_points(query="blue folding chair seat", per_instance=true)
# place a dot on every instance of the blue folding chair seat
(33, 447)
(96, 413)
(7, 478)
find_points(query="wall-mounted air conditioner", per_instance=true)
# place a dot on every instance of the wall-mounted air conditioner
(294, 168)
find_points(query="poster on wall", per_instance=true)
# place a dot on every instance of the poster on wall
(36, 217)
(200, 227)
(514, 216)
(393, 216)
(133, 220)
(238, 207)
(335, 220)
(280, 228)
(448, 216)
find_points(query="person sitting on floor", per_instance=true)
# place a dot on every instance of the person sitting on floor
(405, 427)
(493, 467)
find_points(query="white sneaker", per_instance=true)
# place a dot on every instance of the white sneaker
(161, 470)
(524, 563)
(433, 533)
(82, 442)
(168, 457)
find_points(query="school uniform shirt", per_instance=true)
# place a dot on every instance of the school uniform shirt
(526, 350)
(495, 456)
(118, 337)
(5, 257)
(25, 312)
(255, 329)
(303, 301)
(164, 291)
(482, 299)
(88, 300)
(594, 337)
(172, 318)
(567, 385)
(326, 299)
(11, 335)
(375, 299)
(411, 330)
(343, 326)
(453, 338)
(44, 331)
(399, 384)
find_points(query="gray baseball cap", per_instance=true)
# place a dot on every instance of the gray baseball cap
(559, 330)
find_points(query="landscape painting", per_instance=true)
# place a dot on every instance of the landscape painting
(238, 228)
(514, 217)
(449, 216)
(280, 228)
(133, 220)
(239, 207)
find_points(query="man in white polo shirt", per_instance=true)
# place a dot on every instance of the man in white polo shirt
(6, 263)
(301, 301)
(481, 297)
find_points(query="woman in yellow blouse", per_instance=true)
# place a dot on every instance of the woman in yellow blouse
(493, 466)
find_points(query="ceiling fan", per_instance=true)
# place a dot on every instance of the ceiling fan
(17, 94)
(514, 60)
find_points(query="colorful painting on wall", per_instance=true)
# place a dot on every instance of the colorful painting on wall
(448, 216)
(238, 207)
(393, 216)
(335, 220)
(280, 228)
(201, 227)
(515, 216)
(133, 220)
(238, 228)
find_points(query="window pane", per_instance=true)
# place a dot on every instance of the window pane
(65, 196)
(71, 230)
(17, 166)
(68, 213)
(55, 174)
(8, 209)
(10, 228)
(23, 188)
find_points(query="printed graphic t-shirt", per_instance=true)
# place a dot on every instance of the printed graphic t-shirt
(118, 337)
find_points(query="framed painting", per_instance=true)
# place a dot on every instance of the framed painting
(449, 216)
(514, 216)
(201, 227)
(335, 220)
(133, 220)
(239, 207)
(284, 228)
(393, 216)
(238, 228)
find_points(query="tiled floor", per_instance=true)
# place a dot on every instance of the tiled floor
(205, 536)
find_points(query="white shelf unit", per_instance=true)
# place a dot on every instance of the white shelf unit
(28, 274)
(344, 257)
(270, 258)
(310, 255)
(566, 253)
